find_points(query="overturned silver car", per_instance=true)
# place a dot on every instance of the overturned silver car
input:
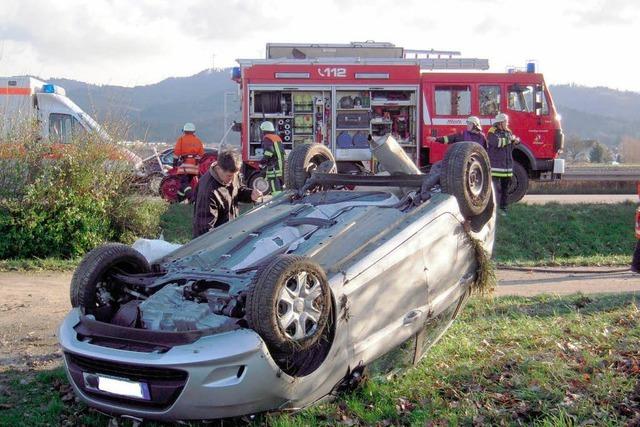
(280, 307)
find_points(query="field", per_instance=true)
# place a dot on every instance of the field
(537, 361)
(554, 234)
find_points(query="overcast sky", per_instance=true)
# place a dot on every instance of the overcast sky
(589, 42)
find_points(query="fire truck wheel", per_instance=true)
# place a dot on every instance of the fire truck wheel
(257, 181)
(519, 184)
(466, 174)
(302, 161)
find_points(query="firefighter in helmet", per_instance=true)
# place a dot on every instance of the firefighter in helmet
(500, 143)
(472, 133)
(273, 157)
(187, 151)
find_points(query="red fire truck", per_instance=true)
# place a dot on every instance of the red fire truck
(339, 94)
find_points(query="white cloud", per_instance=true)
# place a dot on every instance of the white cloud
(140, 42)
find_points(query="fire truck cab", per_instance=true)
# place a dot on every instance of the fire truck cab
(340, 94)
(449, 98)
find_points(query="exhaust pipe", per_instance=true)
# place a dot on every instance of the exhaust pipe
(391, 156)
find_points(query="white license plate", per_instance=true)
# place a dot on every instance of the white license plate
(119, 386)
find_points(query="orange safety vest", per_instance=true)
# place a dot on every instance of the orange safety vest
(189, 144)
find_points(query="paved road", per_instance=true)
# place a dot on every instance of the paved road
(32, 306)
(537, 199)
(528, 283)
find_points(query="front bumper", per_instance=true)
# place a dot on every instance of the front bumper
(218, 376)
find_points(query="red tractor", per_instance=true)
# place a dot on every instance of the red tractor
(174, 186)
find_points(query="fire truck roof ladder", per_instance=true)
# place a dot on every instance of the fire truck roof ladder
(368, 52)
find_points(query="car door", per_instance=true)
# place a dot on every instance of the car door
(388, 300)
(448, 259)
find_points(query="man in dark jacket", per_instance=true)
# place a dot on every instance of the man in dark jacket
(500, 142)
(219, 191)
(472, 133)
(272, 157)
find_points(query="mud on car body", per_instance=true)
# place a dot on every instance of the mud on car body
(280, 307)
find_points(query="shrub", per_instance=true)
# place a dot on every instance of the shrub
(62, 200)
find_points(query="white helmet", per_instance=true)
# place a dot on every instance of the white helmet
(189, 127)
(474, 121)
(267, 127)
(501, 117)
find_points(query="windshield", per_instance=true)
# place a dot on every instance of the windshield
(86, 120)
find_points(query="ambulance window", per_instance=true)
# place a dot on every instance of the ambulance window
(521, 98)
(77, 128)
(489, 97)
(60, 127)
(453, 100)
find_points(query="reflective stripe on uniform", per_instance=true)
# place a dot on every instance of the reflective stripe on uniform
(268, 153)
(278, 151)
(445, 139)
(501, 174)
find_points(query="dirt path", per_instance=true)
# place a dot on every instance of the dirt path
(528, 283)
(33, 305)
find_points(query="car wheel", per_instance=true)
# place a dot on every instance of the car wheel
(91, 287)
(289, 304)
(466, 174)
(477, 222)
(519, 184)
(302, 161)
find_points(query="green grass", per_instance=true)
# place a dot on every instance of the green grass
(37, 264)
(555, 234)
(536, 361)
(531, 235)
(176, 223)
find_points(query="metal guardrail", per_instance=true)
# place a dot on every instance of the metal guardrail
(602, 174)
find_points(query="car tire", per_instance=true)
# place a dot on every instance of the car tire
(477, 222)
(94, 268)
(519, 184)
(279, 298)
(302, 161)
(466, 174)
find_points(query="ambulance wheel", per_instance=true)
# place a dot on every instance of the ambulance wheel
(519, 184)
(466, 174)
(302, 161)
